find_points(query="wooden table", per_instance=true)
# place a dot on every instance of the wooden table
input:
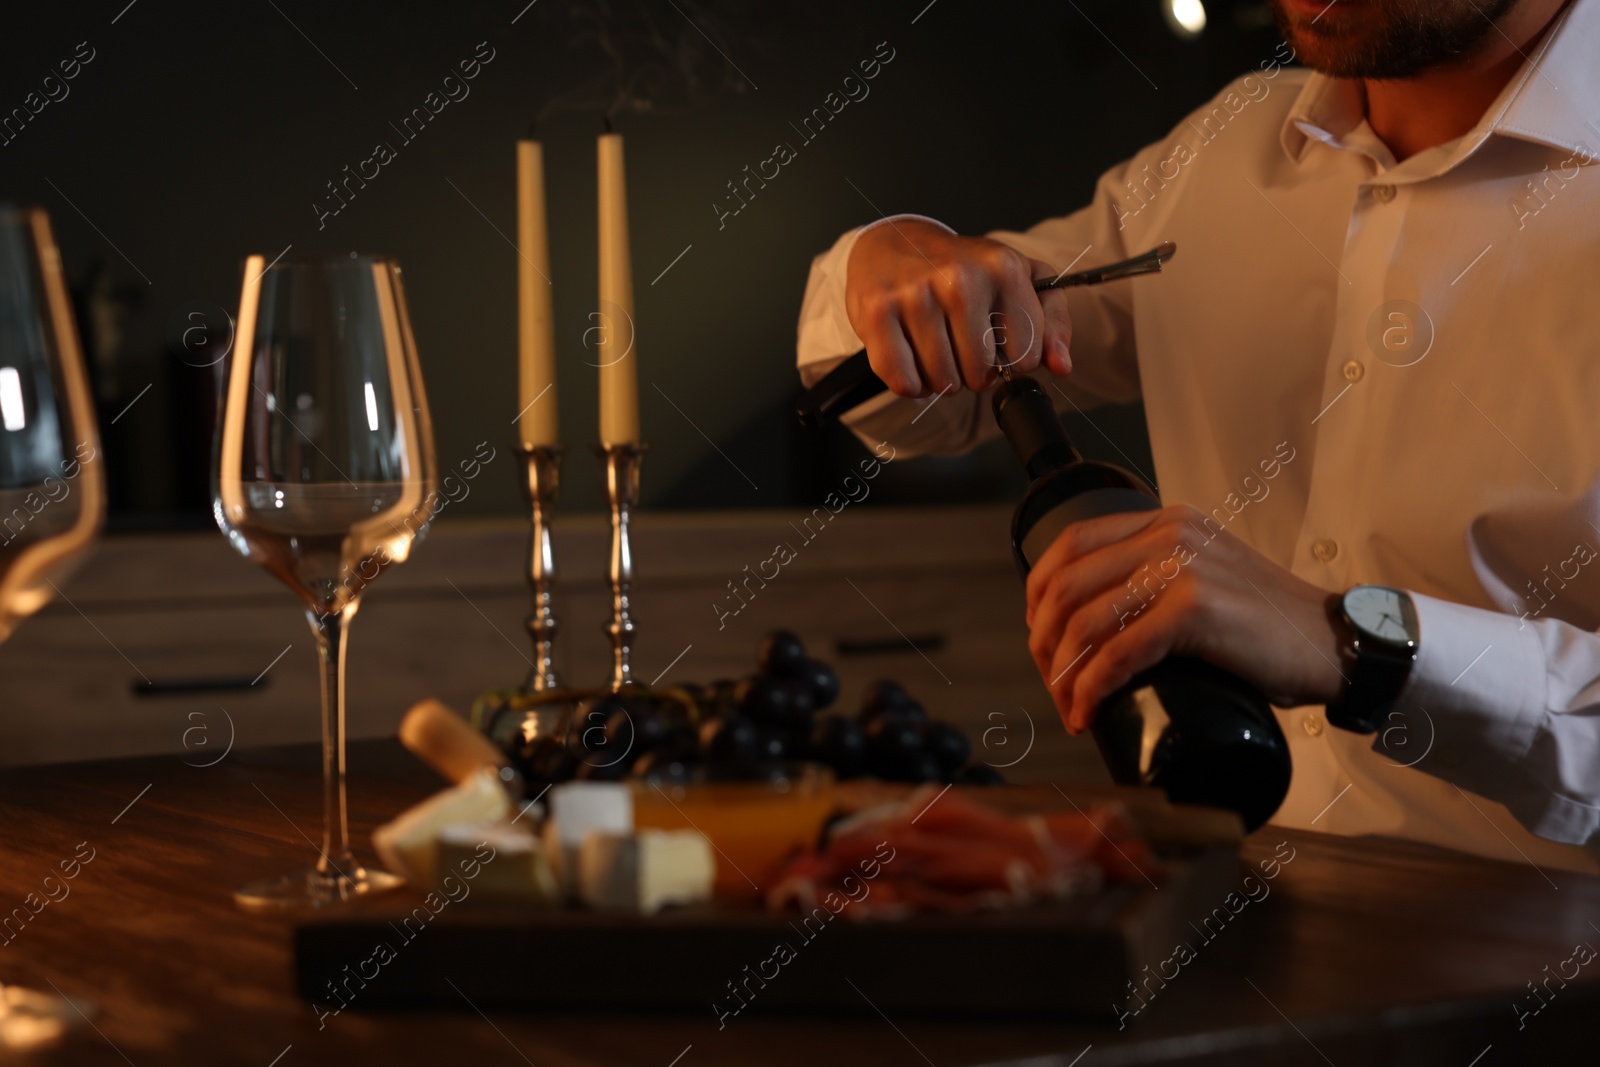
(1364, 952)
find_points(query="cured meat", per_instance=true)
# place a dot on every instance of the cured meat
(943, 852)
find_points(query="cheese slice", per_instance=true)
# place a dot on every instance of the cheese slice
(409, 845)
(577, 809)
(645, 872)
(498, 862)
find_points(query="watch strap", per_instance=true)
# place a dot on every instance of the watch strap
(1374, 676)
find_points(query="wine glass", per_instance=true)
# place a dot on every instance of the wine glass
(52, 484)
(325, 477)
(52, 487)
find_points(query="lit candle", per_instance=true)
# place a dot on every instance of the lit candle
(619, 381)
(536, 345)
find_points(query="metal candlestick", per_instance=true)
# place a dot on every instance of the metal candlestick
(622, 489)
(543, 464)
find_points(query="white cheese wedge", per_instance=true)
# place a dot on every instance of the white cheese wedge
(409, 845)
(495, 861)
(577, 809)
(645, 872)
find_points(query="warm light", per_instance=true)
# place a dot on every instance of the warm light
(1186, 17)
(372, 408)
(11, 399)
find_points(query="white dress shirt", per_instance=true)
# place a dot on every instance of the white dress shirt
(1424, 339)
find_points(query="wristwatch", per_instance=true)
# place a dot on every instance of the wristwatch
(1377, 646)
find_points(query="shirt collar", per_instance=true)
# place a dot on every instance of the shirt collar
(1548, 101)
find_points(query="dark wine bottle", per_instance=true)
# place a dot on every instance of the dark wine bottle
(1199, 733)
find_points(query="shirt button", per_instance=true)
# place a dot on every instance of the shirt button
(1325, 549)
(1383, 193)
(1353, 370)
(1312, 725)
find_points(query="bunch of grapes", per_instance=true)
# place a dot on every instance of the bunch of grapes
(753, 728)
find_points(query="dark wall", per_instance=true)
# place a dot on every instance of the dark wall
(199, 133)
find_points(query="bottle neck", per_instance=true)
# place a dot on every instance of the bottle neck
(1051, 457)
(1030, 423)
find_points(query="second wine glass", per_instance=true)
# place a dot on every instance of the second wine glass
(52, 488)
(325, 477)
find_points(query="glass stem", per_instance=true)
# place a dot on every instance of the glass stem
(337, 862)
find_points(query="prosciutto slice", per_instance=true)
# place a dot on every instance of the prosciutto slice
(944, 852)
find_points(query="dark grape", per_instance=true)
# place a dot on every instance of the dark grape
(893, 723)
(720, 698)
(544, 761)
(909, 710)
(923, 767)
(839, 743)
(765, 700)
(823, 681)
(781, 654)
(731, 741)
(638, 729)
(552, 760)
(948, 745)
(774, 746)
(980, 774)
(586, 731)
(894, 747)
(797, 738)
(884, 695)
(802, 703)
(671, 764)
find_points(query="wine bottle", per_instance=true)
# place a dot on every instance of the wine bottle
(1199, 733)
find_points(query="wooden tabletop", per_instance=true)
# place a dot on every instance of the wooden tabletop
(1364, 952)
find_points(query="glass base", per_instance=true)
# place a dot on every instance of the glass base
(31, 1019)
(314, 889)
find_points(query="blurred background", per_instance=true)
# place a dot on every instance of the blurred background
(199, 133)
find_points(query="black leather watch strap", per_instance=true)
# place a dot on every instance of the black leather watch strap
(1374, 676)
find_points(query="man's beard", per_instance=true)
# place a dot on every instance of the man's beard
(1389, 39)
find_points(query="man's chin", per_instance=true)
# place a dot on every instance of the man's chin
(1360, 39)
(1338, 55)
(1338, 39)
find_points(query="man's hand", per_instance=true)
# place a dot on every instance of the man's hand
(931, 305)
(1118, 594)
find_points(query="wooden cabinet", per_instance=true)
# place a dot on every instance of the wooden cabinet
(103, 671)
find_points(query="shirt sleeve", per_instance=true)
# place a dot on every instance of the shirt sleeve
(1104, 357)
(1515, 710)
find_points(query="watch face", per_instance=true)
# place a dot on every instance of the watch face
(1382, 613)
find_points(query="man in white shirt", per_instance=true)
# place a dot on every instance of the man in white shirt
(1371, 363)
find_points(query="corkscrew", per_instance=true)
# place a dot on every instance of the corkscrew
(852, 383)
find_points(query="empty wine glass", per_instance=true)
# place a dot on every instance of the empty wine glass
(52, 486)
(325, 477)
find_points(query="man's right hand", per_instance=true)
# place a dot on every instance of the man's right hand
(931, 306)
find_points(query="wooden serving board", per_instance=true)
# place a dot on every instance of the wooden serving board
(1073, 957)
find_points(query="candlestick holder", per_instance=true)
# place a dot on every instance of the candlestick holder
(622, 490)
(543, 468)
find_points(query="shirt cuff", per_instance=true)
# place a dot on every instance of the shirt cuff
(826, 335)
(1481, 674)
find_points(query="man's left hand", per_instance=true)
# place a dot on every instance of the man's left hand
(1117, 594)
